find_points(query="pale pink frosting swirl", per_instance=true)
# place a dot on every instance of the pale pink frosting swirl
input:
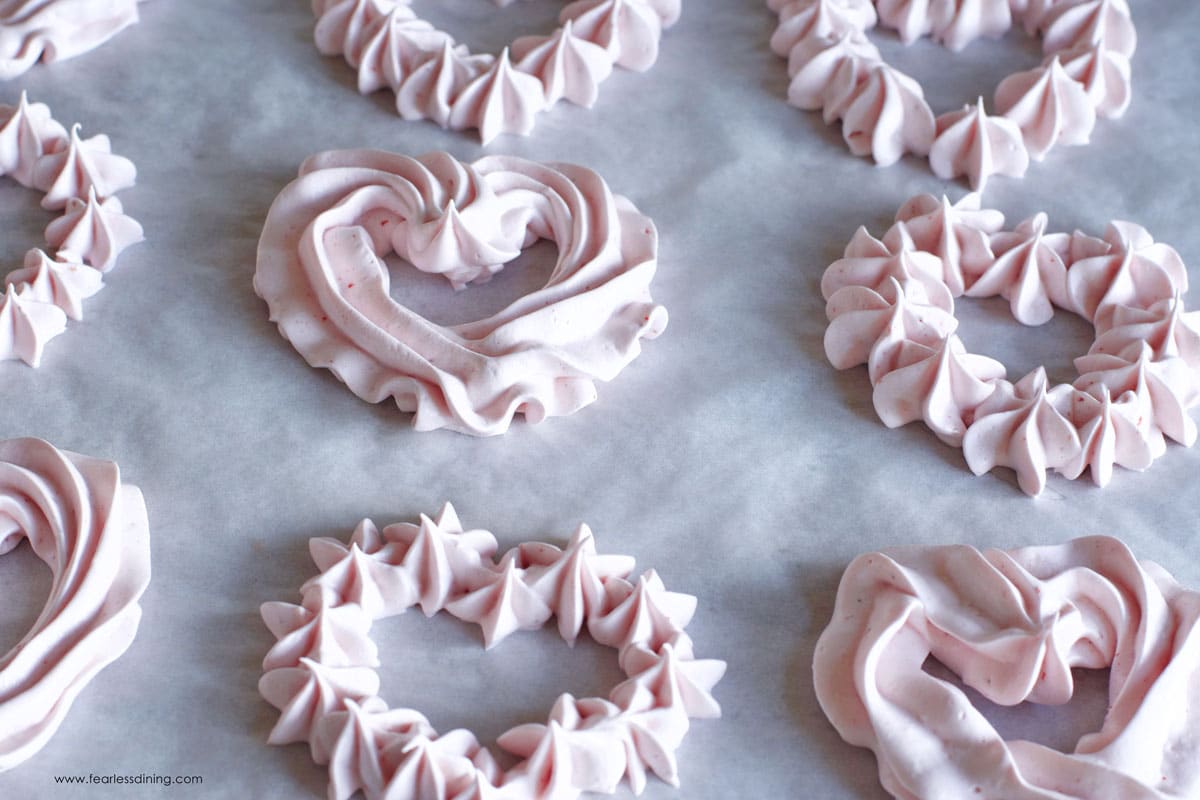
(888, 117)
(973, 143)
(320, 269)
(92, 532)
(57, 281)
(54, 30)
(1012, 625)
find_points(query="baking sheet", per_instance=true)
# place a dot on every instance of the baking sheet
(729, 456)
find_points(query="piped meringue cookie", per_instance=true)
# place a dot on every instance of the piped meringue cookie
(826, 72)
(1082, 23)
(942, 385)
(832, 66)
(431, 87)
(501, 100)
(321, 673)
(28, 133)
(917, 274)
(1050, 107)
(64, 281)
(1134, 271)
(628, 30)
(322, 273)
(974, 144)
(27, 323)
(1029, 270)
(890, 303)
(99, 231)
(1165, 326)
(79, 176)
(910, 19)
(393, 46)
(957, 24)
(888, 117)
(1012, 625)
(568, 66)
(437, 79)
(91, 530)
(1164, 388)
(958, 233)
(813, 22)
(867, 326)
(1023, 426)
(80, 168)
(1104, 75)
(1112, 433)
(55, 30)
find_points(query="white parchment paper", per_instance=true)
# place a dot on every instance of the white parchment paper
(729, 456)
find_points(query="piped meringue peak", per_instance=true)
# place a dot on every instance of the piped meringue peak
(890, 306)
(1012, 625)
(884, 114)
(321, 672)
(55, 30)
(80, 178)
(322, 272)
(435, 78)
(92, 532)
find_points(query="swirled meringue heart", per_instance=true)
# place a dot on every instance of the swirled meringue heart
(322, 274)
(91, 530)
(1012, 625)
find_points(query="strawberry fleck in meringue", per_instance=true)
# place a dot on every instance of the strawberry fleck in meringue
(321, 673)
(321, 272)
(834, 67)
(80, 178)
(1012, 625)
(890, 303)
(55, 30)
(435, 78)
(91, 530)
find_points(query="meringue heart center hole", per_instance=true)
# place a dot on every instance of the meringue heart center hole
(439, 667)
(951, 80)
(25, 224)
(1059, 727)
(26, 581)
(432, 296)
(486, 27)
(987, 328)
